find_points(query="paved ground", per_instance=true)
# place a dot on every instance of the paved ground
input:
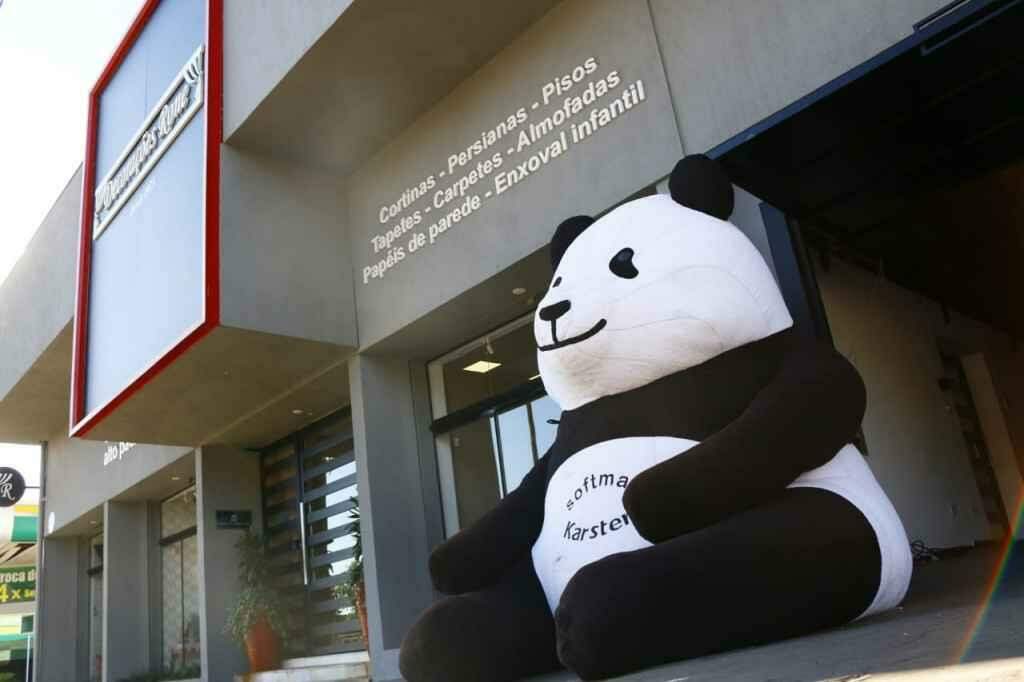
(920, 641)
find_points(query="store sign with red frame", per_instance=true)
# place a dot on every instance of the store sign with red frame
(148, 254)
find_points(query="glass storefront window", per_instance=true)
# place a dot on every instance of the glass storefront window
(180, 582)
(489, 366)
(499, 420)
(95, 573)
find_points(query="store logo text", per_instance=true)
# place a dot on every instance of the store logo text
(165, 122)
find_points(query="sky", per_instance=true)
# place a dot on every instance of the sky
(51, 53)
(24, 458)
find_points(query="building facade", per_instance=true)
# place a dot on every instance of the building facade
(19, 523)
(294, 275)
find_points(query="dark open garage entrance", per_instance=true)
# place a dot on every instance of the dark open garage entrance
(900, 189)
(913, 163)
(901, 184)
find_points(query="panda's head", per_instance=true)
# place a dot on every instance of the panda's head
(655, 286)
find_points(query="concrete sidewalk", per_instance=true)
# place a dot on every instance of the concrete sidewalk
(922, 640)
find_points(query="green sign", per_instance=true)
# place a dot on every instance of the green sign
(17, 584)
(234, 518)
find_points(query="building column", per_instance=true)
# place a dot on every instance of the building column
(227, 479)
(59, 639)
(125, 590)
(396, 521)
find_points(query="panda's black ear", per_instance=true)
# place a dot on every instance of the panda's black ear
(700, 183)
(565, 234)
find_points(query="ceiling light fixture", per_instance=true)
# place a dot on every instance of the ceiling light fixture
(518, 291)
(482, 366)
(298, 413)
(175, 478)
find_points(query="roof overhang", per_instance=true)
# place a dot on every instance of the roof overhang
(374, 71)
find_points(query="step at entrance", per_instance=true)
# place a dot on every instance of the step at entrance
(332, 659)
(335, 672)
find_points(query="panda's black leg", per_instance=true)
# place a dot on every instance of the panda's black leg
(498, 634)
(804, 561)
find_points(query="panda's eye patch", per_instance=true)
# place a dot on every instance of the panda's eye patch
(622, 264)
(558, 280)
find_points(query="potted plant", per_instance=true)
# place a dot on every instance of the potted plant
(257, 620)
(354, 588)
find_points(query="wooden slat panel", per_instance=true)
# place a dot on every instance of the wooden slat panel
(336, 463)
(296, 590)
(325, 490)
(321, 448)
(331, 557)
(330, 605)
(287, 524)
(279, 507)
(327, 535)
(281, 543)
(334, 509)
(340, 648)
(292, 567)
(279, 465)
(329, 581)
(280, 486)
(336, 627)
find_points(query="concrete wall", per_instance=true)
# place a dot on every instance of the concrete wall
(225, 479)
(126, 590)
(285, 266)
(511, 221)
(1007, 371)
(77, 480)
(397, 521)
(263, 39)
(726, 66)
(1001, 451)
(60, 649)
(914, 440)
(85, 663)
(731, 63)
(37, 297)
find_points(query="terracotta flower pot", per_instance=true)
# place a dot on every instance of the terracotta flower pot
(263, 647)
(361, 612)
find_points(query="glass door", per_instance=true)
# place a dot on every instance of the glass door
(520, 436)
(95, 573)
(310, 514)
(493, 420)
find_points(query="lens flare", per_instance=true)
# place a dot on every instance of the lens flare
(994, 580)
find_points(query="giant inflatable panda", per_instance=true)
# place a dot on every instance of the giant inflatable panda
(702, 492)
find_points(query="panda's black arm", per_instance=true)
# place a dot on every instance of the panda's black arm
(799, 421)
(479, 555)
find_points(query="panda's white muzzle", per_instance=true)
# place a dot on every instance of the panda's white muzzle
(551, 314)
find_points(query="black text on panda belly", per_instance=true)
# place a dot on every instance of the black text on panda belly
(584, 519)
(580, 534)
(577, 533)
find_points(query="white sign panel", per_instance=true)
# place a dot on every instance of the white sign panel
(179, 103)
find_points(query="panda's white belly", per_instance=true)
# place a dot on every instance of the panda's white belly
(584, 519)
(583, 515)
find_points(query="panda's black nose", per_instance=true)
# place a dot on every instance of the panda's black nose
(550, 313)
